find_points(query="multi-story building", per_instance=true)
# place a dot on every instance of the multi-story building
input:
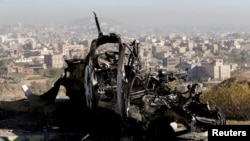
(175, 43)
(46, 51)
(171, 62)
(68, 49)
(11, 68)
(181, 49)
(216, 70)
(54, 61)
(193, 67)
(190, 45)
(215, 48)
(159, 51)
(145, 54)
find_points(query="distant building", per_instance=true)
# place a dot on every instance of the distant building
(171, 62)
(193, 67)
(22, 60)
(145, 54)
(159, 51)
(181, 49)
(76, 53)
(206, 53)
(68, 49)
(216, 70)
(175, 43)
(10, 69)
(190, 45)
(54, 61)
(233, 67)
(215, 48)
(46, 51)
(2, 39)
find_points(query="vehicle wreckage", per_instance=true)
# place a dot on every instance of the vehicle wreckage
(111, 97)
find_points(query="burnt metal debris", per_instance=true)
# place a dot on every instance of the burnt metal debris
(112, 97)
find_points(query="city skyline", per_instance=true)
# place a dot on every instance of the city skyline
(136, 12)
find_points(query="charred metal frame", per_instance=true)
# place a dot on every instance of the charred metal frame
(124, 79)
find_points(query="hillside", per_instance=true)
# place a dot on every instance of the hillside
(232, 96)
(244, 76)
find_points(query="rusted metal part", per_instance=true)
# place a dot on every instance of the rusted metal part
(124, 77)
(91, 63)
(98, 25)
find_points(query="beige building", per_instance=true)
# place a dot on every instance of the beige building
(181, 49)
(11, 68)
(190, 45)
(46, 51)
(216, 70)
(158, 51)
(14, 69)
(145, 51)
(175, 43)
(70, 50)
(206, 53)
(171, 62)
(145, 54)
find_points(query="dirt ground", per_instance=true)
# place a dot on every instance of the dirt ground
(23, 122)
(18, 123)
(235, 122)
(15, 118)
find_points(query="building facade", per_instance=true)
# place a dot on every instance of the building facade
(54, 61)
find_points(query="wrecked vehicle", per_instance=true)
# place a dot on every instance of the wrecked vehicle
(111, 97)
(202, 115)
(199, 115)
(98, 88)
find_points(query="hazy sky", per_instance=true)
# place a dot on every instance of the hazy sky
(149, 12)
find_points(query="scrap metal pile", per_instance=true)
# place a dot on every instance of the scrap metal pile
(112, 97)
